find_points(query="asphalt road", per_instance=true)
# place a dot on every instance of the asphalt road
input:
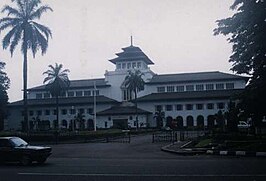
(139, 160)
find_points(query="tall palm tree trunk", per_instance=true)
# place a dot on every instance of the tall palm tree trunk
(136, 103)
(25, 96)
(57, 112)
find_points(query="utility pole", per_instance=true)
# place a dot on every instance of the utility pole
(94, 101)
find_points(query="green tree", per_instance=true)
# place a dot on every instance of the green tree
(4, 86)
(20, 22)
(246, 31)
(135, 83)
(57, 83)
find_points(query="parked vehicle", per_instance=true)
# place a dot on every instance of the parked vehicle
(15, 149)
(243, 125)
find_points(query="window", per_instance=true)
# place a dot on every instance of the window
(31, 113)
(90, 111)
(72, 111)
(46, 95)
(87, 93)
(169, 107)
(97, 92)
(55, 111)
(118, 66)
(105, 124)
(190, 88)
(158, 108)
(39, 112)
(170, 88)
(78, 93)
(70, 94)
(199, 106)
(180, 88)
(210, 106)
(63, 111)
(220, 86)
(81, 111)
(128, 65)
(47, 112)
(123, 65)
(220, 105)
(160, 89)
(199, 87)
(229, 86)
(179, 107)
(134, 65)
(209, 86)
(139, 65)
(189, 106)
(39, 96)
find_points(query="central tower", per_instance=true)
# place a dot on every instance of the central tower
(130, 59)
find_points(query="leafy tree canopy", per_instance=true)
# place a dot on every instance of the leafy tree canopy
(246, 32)
(4, 86)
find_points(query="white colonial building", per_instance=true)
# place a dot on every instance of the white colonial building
(188, 99)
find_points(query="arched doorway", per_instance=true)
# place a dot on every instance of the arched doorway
(180, 123)
(210, 121)
(200, 122)
(169, 120)
(90, 124)
(190, 121)
(55, 124)
(64, 124)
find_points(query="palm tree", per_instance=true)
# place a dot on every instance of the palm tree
(135, 83)
(32, 35)
(57, 83)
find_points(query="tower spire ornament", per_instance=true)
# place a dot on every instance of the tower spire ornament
(131, 40)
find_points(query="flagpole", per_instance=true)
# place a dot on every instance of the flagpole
(94, 101)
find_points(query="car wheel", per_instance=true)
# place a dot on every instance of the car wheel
(41, 160)
(25, 160)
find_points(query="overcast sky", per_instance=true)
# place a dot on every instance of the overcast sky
(177, 35)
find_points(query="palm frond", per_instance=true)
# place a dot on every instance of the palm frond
(38, 13)
(42, 42)
(31, 5)
(15, 41)
(43, 29)
(7, 39)
(11, 11)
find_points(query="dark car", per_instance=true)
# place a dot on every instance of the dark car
(15, 149)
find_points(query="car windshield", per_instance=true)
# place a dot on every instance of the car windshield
(18, 142)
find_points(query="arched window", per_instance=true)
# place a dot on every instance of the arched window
(190, 121)
(180, 123)
(200, 121)
(64, 124)
(169, 120)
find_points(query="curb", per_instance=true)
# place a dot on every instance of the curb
(182, 150)
(190, 151)
(236, 153)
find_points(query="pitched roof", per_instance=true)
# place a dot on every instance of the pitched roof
(64, 101)
(191, 95)
(194, 77)
(131, 53)
(122, 110)
(74, 84)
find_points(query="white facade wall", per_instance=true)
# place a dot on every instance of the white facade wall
(185, 113)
